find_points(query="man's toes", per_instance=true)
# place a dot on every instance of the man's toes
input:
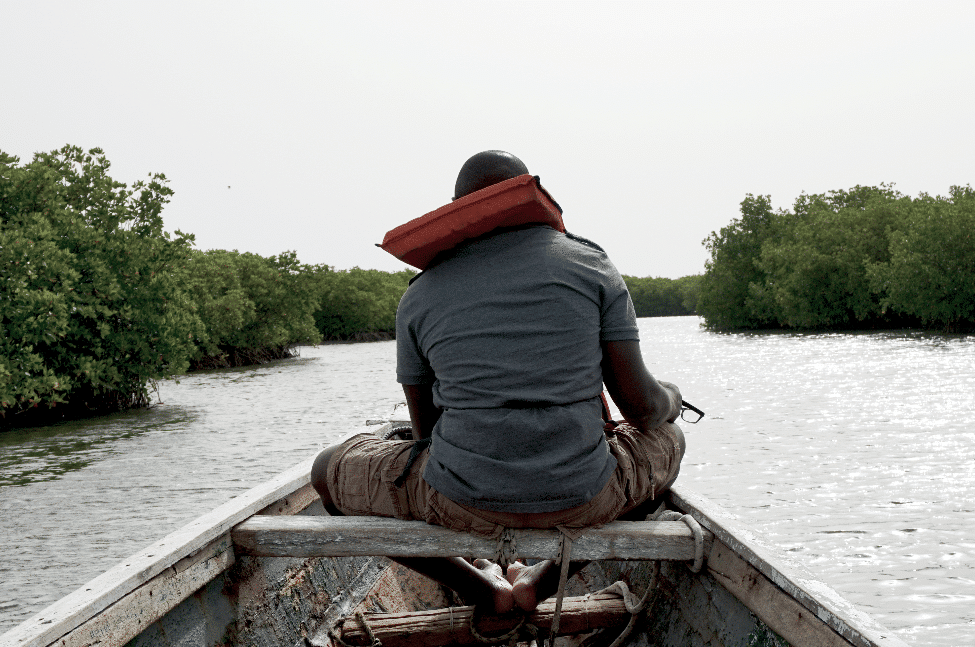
(500, 597)
(489, 567)
(524, 588)
(514, 570)
(524, 595)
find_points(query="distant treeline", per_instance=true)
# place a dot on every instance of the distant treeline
(664, 297)
(255, 309)
(97, 302)
(867, 257)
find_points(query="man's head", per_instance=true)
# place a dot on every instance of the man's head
(485, 169)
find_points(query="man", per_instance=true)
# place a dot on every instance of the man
(503, 347)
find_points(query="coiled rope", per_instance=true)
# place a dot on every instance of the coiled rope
(634, 605)
(510, 636)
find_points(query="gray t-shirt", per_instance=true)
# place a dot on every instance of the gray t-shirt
(508, 330)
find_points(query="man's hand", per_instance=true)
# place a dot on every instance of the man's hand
(676, 399)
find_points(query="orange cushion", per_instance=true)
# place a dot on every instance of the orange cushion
(518, 201)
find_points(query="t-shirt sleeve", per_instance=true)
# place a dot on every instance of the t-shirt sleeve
(411, 366)
(617, 317)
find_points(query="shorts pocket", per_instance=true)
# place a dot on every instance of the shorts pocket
(399, 496)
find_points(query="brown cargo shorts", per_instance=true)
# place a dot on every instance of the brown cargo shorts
(361, 473)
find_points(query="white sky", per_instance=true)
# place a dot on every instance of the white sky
(332, 122)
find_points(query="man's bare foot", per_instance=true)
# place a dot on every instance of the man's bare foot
(514, 569)
(496, 591)
(481, 583)
(532, 584)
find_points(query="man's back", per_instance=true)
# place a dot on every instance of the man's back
(511, 327)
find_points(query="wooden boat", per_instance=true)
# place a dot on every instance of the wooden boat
(270, 568)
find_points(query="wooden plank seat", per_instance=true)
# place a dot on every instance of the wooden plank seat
(452, 626)
(324, 536)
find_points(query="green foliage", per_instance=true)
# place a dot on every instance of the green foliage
(662, 297)
(357, 303)
(867, 256)
(689, 288)
(91, 303)
(816, 270)
(930, 273)
(97, 301)
(250, 305)
(727, 298)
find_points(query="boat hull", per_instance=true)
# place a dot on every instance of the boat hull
(196, 587)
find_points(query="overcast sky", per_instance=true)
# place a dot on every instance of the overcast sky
(318, 126)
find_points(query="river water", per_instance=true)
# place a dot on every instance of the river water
(855, 452)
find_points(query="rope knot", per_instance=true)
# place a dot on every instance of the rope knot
(335, 633)
(507, 552)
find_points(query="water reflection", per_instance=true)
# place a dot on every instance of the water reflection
(854, 451)
(46, 453)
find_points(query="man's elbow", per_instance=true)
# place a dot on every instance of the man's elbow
(650, 419)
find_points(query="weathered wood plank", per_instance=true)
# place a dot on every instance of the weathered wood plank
(345, 536)
(791, 578)
(785, 616)
(451, 626)
(134, 612)
(292, 503)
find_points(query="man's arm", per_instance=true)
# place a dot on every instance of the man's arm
(644, 401)
(423, 412)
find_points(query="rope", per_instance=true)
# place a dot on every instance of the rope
(670, 515)
(634, 605)
(565, 550)
(497, 640)
(415, 451)
(507, 551)
(335, 634)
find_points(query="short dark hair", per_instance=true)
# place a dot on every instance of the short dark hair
(487, 168)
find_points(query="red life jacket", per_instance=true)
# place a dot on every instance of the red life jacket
(518, 201)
